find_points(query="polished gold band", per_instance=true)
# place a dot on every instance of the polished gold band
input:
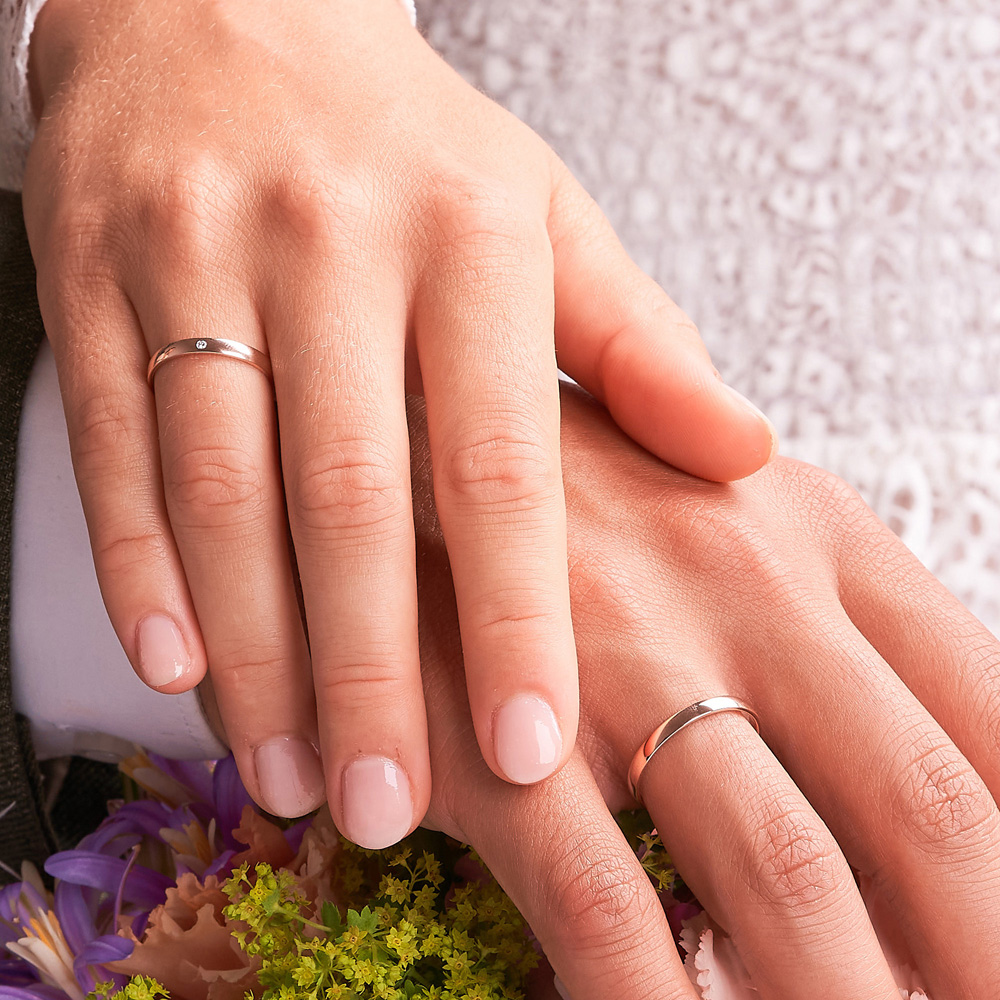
(675, 724)
(209, 345)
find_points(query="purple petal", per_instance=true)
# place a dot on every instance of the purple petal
(88, 965)
(143, 817)
(39, 991)
(139, 924)
(143, 886)
(194, 775)
(17, 899)
(221, 866)
(230, 797)
(75, 909)
(16, 972)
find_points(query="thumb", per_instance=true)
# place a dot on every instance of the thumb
(625, 341)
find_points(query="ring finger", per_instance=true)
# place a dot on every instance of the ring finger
(761, 860)
(218, 445)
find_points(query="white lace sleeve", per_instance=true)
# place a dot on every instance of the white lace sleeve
(17, 121)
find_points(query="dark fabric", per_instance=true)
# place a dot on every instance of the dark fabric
(26, 832)
(83, 799)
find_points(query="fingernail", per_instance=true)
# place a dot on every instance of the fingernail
(163, 654)
(757, 411)
(378, 807)
(290, 776)
(526, 739)
(561, 988)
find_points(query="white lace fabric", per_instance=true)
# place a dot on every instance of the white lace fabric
(17, 121)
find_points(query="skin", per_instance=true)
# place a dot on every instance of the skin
(313, 180)
(879, 701)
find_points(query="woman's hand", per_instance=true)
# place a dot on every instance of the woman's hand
(879, 702)
(311, 179)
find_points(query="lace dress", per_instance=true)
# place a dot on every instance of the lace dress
(817, 185)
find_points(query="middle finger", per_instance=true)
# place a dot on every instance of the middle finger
(345, 452)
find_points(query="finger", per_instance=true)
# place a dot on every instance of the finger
(112, 432)
(941, 651)
(552, 846)
(621, 337)
(346, 460)
(564, 862)
(218, 442)
(761, 861)
(908, 809)
(483, 322)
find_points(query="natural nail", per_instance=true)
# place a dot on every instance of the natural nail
(378, 806)
(163, 654)
(561, 988)
(290, 776)
(758, 412)
(526, 739)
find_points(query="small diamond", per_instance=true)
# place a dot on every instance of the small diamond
(201, 344)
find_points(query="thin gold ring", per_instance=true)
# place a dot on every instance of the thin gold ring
(673, 725)
(209, 345)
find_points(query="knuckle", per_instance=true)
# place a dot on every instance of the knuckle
(501, 472)
(253, 668)
(192, 204)
(80, 246)
(121, 554)
(215, 486)
(100, 423)
(506, 613)
(724, 540)
(938, 801)
(350, 486)
(794, 864)
(598, 895)
(362, 685)
(319, 208)
(475, 217)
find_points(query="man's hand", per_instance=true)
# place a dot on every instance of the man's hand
(879, 701)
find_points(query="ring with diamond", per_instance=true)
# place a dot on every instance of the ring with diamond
(209, 345)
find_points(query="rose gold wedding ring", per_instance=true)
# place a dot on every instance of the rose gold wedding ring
(675, 724)
(209, 345)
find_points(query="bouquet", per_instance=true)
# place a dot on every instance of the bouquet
(187, 891)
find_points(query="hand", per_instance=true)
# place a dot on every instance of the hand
(879, 701)
(311, 179)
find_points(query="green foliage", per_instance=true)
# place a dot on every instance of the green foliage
(401, 935)
(137, 988)
(402, 932)
(645, 841)
(399, 940)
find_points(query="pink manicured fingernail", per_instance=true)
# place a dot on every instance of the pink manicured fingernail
(526, 739)
(561, 988)
(378, 807)
(290, 776)
(163, 654)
